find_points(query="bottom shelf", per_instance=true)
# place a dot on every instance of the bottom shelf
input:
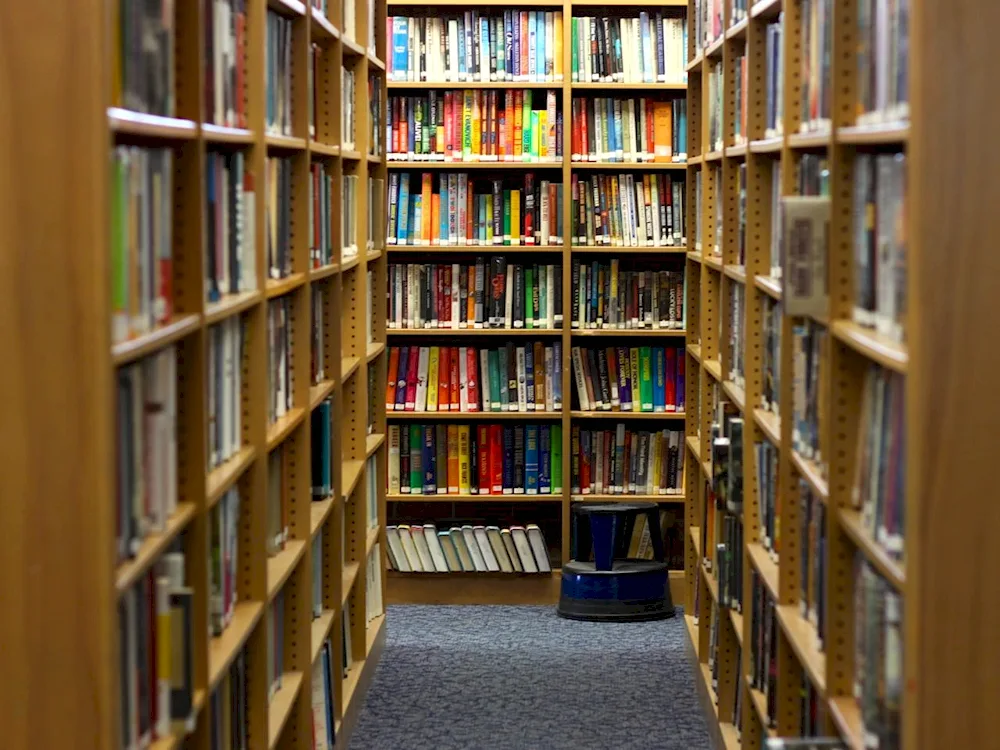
(358, 680)
(724, 735)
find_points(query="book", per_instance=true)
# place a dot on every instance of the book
(883, 61)
(628, 130)
(348, 117)
(614, 381)
(278, 223)
(142, 72)
(774, 71)
(466, 549)
(278, 74)
(230, 249)
(622, 461)
(226, 35)
(280, 385)
(608, 296)
(321, 434)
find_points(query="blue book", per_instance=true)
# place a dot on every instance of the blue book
(531, 459)
(400, 45)
(508, 460)
(418, 216)
(545, 470)
(659, 379)
(508, 50)
(540, 46)
(429, 461)
(213, 286)
(328, 684)
(443, 218)
(402, 230)
(594, 291)
(404, 356)
(529, 376)
(647, 48)
(658, 32)
(557, 376)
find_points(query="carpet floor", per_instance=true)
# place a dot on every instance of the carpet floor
(520, 678)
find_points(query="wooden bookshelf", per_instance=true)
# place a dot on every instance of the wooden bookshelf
(68, 645)
(939, 698)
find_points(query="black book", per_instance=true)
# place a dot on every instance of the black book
(608, 49)
(182, 685)
(519, 459)
(404, 459)
(508, 459)
(441, 448)
(536, 313)
(511, 375)
(602, 372)
(518, 314)
(575, 282)
(463, 294)
(497, 212)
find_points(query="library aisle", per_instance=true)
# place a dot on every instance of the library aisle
(489, 677)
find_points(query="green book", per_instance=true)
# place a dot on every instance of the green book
(416, 460)
(646, 378)
(528, 282)
(506, 217)
(573, 70)
(556, 443)
(526, 128)
(494, 362)
(535, 134)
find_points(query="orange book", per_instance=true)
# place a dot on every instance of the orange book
(390, 388)
(470, 310)
(456, 401)
(435, 218)
(539, 357)
(662, 131)
(453, 459)
(444, 379)
(518, 107)
(470, 215)
(425, 217)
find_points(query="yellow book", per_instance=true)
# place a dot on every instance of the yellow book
(463, 459)
(657, 445)
(662, 127)
(432, 379)
(515, 217)
(467, 125)
(164, 642)
(489, 218)
(116, 55)
(453, 470)
(633, 357)
(477, 117)
(557, 63)
(543, 131)
(425, 216)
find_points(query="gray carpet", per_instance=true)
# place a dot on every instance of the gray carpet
(520, 678)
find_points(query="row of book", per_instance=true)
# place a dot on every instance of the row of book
(766, 455)
(225, 390)
(378, 128)
(371, 493)
(509, 45)
(274, 626)
(880, 262)
(628, 210)
(648, 48)
(489, 459)
(319, 316)
(509, 211)
(490, 293)
(142, 62)
(809, 378)
(348, 118)
(321, 213)
(278, 501)
(321, 434)
(142, 203)
(278, 215)
(629, 129)
(716, 87)
(774, 61)
(728, 563)
(322, 700)
(624, 461)
(813, 546)
(726, 461)
(817, 75)
(771, 368)
(279, 359)
(637, 379)
(230, 728)
(467, 549)
(278, 74)
(763, 644)
(606, 296)
(225, 55)
(231, 251)
(883, 60)
(349, 216)
(156, 653)
(146, 486)
(488, 126)
(736, 308)
(742, 93)
(223, 559)
(508, 378)
(708, 22)
(374, 604)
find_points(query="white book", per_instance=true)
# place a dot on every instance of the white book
(581, 383)
(463, 379)
(444, 541)
(423, 551)
(482, 540)
(523, 547)
(498, 549)
(509, 305)
(422, 367)
(545, 214)
(462, 549)
(434, 546)
(508, 543)
(538, 548)
(469, 537)
(640, 203)
(453, 46)
(455, 277)
(522, 384)
(549, 369)
(409, 549)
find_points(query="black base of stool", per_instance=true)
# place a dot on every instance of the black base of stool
(632, 591)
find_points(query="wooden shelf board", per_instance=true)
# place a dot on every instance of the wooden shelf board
(372, 255)
(759, 701)
(324, 149)
(770, 425)
(229, 305)
(226, 474)
(374, 349)
(631, 332)
(760, 558)
(372, 443)
(813, 474)
(730, 736)
(352, 47)
(320, 392)
(476, 331)
(350, 154)
(802, 635)
(349, 366)
(695, 351)
(371, 538)
(712, 260)
(375, 61)
(463, 165)
(886, 134)
(475, 249)
(629, 3)
(152, 547)
(626, 166)
(424, 85)
(464, 416)
(692, 628)
(395, 497)
(373, 158)
(627, 414)
(735, 393)
(319, 511)
(630, 250)
(320, 631)
(287, 7)
(280, 706)
(278, 287)
(284, 142)
(351, 474)
(348, 577)
(873, 345)
(473, 588)
(714, 49)
(126, 122)
(692, 444)
(281, 565)
(694, 532)
(283, 427)
(765, 9)
(736, 618)
(169, 742)
(713, 156)
(159, 338)
(695, 63)
(890, 568)
(737, 152)
(735, 272)
(624, 86)
(767, 145)
(695, 256)
(771, 287)
(349, 262)
(219, 134)
(713, 585)
(738, 30)
(322, 27)
(223, 649)
(324, 272)
(846, 715)
(714, 368)
(695, 160)
(641, 498)
(810, 141)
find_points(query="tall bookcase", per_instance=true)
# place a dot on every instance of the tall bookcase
(71, 642)
(933, 363)
(505, 588)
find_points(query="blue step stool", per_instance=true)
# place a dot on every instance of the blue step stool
(614, 588)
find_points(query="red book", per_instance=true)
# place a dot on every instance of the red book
(679, 391)
(529, 213)
(446, 301)
(444, 379)
(671, 379)
(394, 119)
(650, 136)
(524, 44)
(496, 458)
(585, 467)
(483, 447)
(584, 135)
(404, 115)
(390, 388)
(411, 378)
(456, 397)
(472, 380)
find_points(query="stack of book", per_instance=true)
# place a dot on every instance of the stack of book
(278, 74)
(627, 210)
(607, 296)
(226, 67)
(637, 379)
(624, 461)
(231, 242)
(508, 378)
(225, 390)
(488, 459)
(629, 130)
(467, 549)
(279, 352)
(223, 557)
(636, 49)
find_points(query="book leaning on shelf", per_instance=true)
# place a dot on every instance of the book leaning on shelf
(460, 210)
(510, 45)
(324, 724)
(147, 449)
(511, 125)
(621, 379)
(608, 297)
(142, 67)
(466, 379)
(491, 293)
(623, 461)
(627, 210)
(486, 459)
(155, 620)
(467, 549)
(225, 70)
(648, 48)
(278, 74)
(231, 248)
(629, 130)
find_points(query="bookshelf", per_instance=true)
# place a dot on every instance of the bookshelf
(819, 657)
(216, 125)
(448, 509)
